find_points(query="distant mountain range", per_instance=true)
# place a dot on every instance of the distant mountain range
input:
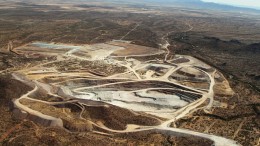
(194, 4)
(200, 5)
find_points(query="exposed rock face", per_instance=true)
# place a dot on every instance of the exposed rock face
(82, 126)
(19, 114)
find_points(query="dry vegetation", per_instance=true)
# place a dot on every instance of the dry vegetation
(228, 42)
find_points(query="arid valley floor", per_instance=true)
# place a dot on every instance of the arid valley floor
(97, 74)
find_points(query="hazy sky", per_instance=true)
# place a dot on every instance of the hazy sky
(244, 3)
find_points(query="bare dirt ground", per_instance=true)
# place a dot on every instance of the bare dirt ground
(111, 76)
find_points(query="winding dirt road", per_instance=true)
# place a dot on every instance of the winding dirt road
(132, 66)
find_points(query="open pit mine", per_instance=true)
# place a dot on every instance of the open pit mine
(117, 88)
